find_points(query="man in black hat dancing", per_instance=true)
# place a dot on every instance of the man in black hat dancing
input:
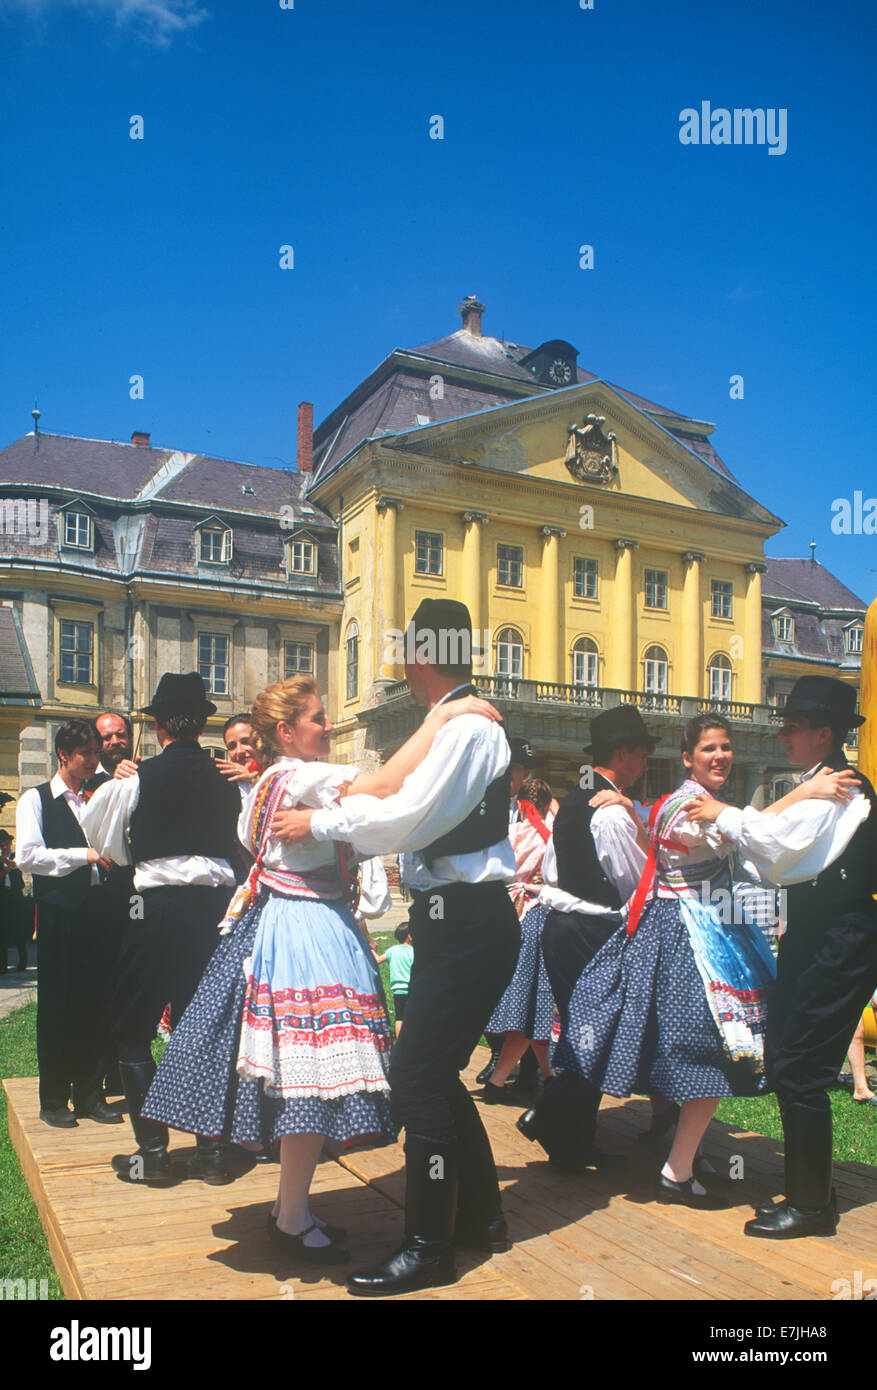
(826, 970)
(598, 859)
(451, 821)
(175, 819)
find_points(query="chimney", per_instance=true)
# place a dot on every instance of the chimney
(472, 309)
(138, 437)
(305, 455)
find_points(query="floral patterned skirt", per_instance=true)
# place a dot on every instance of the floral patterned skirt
(286, 1034)
(527, 1006)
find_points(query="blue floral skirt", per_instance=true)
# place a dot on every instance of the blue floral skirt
(527, 1006)
(639, 1019)
(286, 1034)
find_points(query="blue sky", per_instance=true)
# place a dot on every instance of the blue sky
(266, 126)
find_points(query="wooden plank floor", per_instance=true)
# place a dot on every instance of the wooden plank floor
(601, 1236)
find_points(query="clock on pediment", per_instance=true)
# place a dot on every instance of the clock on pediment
(553, 364)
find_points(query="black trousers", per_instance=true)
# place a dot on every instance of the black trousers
(826, 973)
(463, 961)
(161, 960)
(68, 1040)
(111, 912)
(567, 1111)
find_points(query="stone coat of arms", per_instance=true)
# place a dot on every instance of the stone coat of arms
(591, 456)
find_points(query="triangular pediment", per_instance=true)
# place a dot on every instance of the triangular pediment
(588, 438)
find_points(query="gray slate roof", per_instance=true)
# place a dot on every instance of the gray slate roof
(17, 683)
(807, 580)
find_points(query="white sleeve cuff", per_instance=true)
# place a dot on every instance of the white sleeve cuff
(730, 822)
(327, 825)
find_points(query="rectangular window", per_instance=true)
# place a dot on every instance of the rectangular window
(584, 668)
(77, 530)
(584, 578)
(656, 588)
(77, 653)
(510, 565)
(656, 677)
(298, 659)
(720, 683)
(722, 598)
(352, 667)
(854, 639)
(427, 552)
(215, 546)
(302, 553)
(783, 628)
(213, 652)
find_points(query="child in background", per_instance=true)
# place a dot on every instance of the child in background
(400, 959)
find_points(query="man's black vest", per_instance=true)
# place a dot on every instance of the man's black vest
(846, 885)
(61, 830)
(579, 871)
(185, 807)
(487, 825)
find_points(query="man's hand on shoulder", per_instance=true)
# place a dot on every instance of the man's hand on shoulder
(127, 768)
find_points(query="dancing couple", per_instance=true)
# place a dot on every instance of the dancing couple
(287, 1038)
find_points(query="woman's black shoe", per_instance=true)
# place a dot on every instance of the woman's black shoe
(682, 1194)
(496, 1095)
(330, 1232)
(314, 1254)
(487, 1072)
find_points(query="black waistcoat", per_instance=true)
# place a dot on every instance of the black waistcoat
(846, 885)
(487, 825)
(579, 871)
(185, 806)
(61, 830)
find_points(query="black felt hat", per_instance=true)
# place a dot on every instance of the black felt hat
(180, 695)
(824, 695)
(622, 725)
(435, 614)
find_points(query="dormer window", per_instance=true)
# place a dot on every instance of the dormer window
(783, 626)
(76, 523)
(301, 553)
(214, 542)
(854, 638)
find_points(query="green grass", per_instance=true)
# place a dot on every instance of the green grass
(855, 1126)
(24, 1253)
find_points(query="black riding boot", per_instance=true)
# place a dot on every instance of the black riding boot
(496, 1041)
(209, 1162)
(809, 1208)
(150, 1164)
(427, 1254)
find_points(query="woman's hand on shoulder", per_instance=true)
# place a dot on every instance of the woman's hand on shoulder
(831, 786)
(470, 704)
(610, 798)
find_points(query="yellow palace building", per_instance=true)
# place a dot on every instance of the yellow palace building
(604, 550)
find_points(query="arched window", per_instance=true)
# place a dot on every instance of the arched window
(655, 668)
(585, 662)
(720, 676)
(352, 647)
(509, 653)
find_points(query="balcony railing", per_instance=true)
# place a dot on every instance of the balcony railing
(598, 697)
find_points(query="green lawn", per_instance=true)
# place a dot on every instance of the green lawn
(24, 1253)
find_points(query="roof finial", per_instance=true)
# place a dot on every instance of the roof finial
(813, 552)
(36, 426)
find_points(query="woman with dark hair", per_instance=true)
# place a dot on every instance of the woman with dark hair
(675, 1002)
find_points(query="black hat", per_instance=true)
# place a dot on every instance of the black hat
(824, 695)
(522, 753)
(442, 614)
(622, 725)
(180, 695)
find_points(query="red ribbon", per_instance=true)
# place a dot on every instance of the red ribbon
(647, 877)
(532, 815)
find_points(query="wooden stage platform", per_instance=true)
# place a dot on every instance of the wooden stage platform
(598, 1236)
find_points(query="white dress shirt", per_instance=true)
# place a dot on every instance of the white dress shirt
(795, 844)
(467, 754)
(31, 853)
(620, 856)
(107, 822)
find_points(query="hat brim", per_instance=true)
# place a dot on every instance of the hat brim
(206, 709)
(852, 721)
(648, 743)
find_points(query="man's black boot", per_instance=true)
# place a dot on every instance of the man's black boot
(810, 1208)
(487, 1072)
(426, 1258)
(209, 1162)
(150, 1164)
(480, 1233)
